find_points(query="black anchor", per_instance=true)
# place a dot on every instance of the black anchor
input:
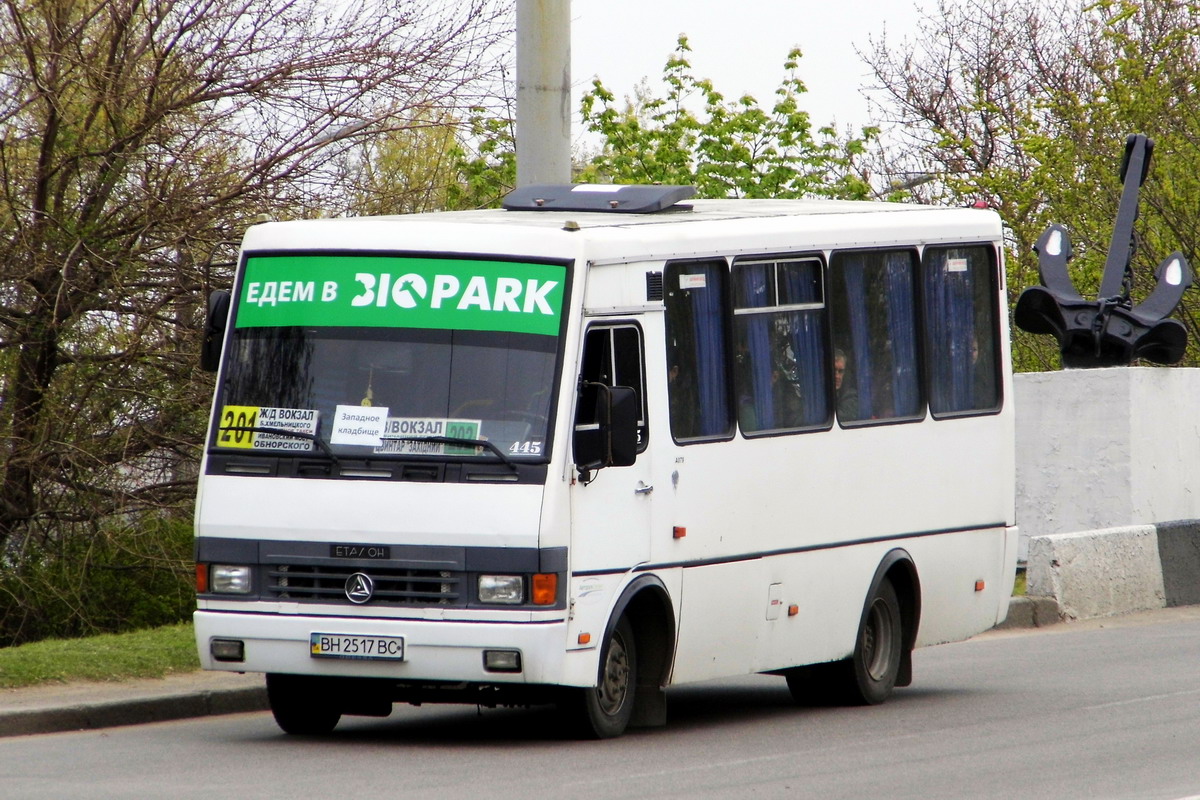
(1109, 331)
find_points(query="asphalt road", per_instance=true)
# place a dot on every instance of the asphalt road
(1088, 710)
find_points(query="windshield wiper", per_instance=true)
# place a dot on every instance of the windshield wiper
(310, 437)
(484, 443)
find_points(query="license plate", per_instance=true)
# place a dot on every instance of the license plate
(340, 645)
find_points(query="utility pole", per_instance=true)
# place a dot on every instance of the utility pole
(543, 91)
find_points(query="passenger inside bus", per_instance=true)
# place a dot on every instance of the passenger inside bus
(847, 398)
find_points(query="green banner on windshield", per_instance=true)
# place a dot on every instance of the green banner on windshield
(392, 292)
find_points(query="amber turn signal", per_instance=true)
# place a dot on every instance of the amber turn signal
(545, 589)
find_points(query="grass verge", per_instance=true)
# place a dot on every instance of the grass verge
(149, 653)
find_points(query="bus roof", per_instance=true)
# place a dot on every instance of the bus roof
(696, 211)
(703, 226)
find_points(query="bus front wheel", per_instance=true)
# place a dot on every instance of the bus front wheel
(604, 710)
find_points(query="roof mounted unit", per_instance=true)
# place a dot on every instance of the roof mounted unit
(625, 199)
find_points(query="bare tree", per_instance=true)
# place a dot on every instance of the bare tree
(138, 138)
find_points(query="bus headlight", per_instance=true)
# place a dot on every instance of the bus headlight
(229, 579)
(504, 589)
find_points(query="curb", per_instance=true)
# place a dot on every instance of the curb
(1031, 612)
(132, 711)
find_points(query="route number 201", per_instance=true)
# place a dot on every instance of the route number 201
(237, 417)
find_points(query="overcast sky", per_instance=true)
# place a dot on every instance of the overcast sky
(740, 45)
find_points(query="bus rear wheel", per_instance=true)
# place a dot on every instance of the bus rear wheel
(604, 710)
(869, 675)
(876, 660)
(300, 705)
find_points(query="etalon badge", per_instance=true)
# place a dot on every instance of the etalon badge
(359, 588)
(1109, 331)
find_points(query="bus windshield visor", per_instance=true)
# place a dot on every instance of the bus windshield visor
(388, 356)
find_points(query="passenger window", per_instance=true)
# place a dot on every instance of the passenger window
(876, 369)
(960, 300)
(612, 355)
(697, 357)
(780, 345)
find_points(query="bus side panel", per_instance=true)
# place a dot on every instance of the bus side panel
(827, 588)
(966, 582)
(813, 515)
(736, 617)
(721, 622)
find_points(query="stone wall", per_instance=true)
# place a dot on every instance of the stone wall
(1106, 448)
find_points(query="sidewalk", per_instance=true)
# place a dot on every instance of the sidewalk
(85, 706)
(82, 706)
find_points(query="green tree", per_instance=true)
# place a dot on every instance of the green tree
(485, 160)
(138, 139)
(693, 135)
(1026, 104)
(404, 171)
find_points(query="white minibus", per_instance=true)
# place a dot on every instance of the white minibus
(600, 442)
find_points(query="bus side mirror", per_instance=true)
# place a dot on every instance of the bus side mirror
(215, 320)
(623, 426)
(606, 427)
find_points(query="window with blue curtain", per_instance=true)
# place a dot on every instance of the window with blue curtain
(780, 364)
(876, 360)
(697, 350)
(961, 316)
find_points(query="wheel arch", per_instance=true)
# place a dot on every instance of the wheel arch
(647, 604)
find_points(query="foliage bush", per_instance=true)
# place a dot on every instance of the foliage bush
(121, 576)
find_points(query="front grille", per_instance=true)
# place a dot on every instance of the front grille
(393, 585)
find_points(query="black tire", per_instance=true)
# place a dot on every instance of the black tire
(604, 711)
(877, 651)
(869, 675)
(301, 705)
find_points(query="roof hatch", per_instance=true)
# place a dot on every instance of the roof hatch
(625, 199)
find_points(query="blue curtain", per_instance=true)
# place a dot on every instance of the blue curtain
(707, 307)
(801, 284)
(859, 359)
(949, 303)
(754, 387)
(902, 332)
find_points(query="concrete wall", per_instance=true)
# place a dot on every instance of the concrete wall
(1103, 573)
(1108, 488)
(1098, 573)
(1106, 448)
(1179, 551)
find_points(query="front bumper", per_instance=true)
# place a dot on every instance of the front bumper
(435, 650)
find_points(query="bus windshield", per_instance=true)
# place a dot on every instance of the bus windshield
(404, 382)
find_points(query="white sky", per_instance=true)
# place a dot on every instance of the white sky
(741, 46)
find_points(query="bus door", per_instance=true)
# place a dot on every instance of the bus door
(611, 506)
